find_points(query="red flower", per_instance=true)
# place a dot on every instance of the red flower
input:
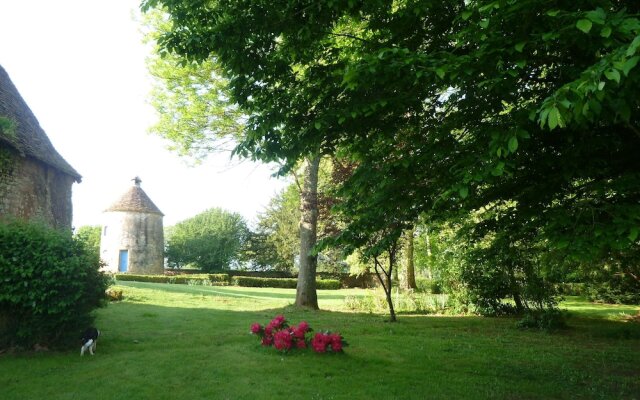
(278, 321)
(336, 342)
(303, 326)
(319, 342)
(282, 340)
(256, 328)
(301, 344)
(267, 340)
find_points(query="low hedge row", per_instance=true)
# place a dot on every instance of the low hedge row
(224, 279)
(199, 279)
(291, 283)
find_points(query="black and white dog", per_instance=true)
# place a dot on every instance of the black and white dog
(89, 340)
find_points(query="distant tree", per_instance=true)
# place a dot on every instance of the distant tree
(209, 241)
(277, 231)
(90, 236)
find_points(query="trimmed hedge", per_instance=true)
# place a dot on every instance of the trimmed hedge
(289, 283)
(223, 279)
(199, 279)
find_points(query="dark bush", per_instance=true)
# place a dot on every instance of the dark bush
(432, 286)
(50, 284)
(548, 320)
(617, 290)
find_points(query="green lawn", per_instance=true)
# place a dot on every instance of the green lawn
(192, 342)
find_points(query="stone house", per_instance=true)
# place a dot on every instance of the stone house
(35, 181)
(132, 234)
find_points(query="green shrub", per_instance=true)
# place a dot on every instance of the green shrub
(432, 286)
(328, 284)
(144, 278)
(250, 281)
(403, 302)
(618, 290)
(287, 283)
(186, 279)
(572, 289)
(50, 284)
(548, 320)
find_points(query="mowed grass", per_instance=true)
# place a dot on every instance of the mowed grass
(193, 342)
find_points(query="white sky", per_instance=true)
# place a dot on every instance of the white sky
(79, 65)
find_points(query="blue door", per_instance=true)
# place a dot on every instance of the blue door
(124, 261)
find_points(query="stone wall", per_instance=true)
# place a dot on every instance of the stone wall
(32, 190)
(141, 234)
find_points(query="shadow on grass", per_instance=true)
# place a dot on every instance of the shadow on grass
(266, 293)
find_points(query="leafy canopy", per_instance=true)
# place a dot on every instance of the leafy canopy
(518, 117)
(210, 240)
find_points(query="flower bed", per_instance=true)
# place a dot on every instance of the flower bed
(279, 334)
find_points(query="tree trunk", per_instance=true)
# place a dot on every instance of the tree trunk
(386, 281)
(411, 273)
(306, 295)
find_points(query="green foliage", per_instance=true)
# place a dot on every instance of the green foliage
(545, 320)
(7, 126)
(432, 286)
(50, 285)
(276, 241)
(404, 302)
(187, 279)
(514, 122)
(192, 101)
(249, 281)
(90, 236)
(211, 240)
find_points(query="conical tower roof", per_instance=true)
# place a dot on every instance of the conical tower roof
(135, 200)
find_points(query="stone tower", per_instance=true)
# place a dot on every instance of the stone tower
(132, 234)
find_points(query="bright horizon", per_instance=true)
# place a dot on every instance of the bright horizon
(80, 66)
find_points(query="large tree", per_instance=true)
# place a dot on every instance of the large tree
(210, 240)
(199, 116)
(518, 117)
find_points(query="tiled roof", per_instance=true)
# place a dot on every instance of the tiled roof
(135, 200)
(27, 137)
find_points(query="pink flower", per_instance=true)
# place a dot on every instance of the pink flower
(299, 332)
(336, 342)
(303, 326)
(267, 340)
(282, 340)
(256, 328)
(278, 321)
(319, 342)
(301, 344)
(268, 330)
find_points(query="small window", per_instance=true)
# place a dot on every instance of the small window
(105, 231)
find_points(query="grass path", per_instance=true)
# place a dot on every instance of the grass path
(192, 342)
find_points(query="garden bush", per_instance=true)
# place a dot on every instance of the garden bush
(50, 284)
(404, 302)
(187, 279)
(548, 320)
(250, 281)
(428, 286)
(288, 283)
